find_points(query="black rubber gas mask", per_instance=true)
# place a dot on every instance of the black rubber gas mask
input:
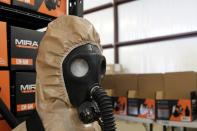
(83, 70)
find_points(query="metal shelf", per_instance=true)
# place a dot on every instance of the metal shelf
(192, 124)
(134, 119)
(23, 17)
(164, 123)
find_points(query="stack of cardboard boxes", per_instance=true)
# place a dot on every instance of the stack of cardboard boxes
(179, 103)
(170, 96)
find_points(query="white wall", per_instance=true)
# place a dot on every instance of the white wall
(166, 56)
(109, 54)
(88, 4)
(103, 22)
(150, 18)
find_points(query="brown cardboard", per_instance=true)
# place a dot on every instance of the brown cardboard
(132, 94)
(108, 82)
(109, 92)
(179, 85)
(120, 83)
(159, 95)
(149, 84)
(114, 69)
(125, 82)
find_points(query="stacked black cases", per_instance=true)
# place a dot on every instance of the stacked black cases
(24, 45)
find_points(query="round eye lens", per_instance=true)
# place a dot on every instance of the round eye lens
(79, 67)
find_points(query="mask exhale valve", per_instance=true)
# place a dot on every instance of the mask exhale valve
(105, 105)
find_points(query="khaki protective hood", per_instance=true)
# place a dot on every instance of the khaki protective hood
(52, 102)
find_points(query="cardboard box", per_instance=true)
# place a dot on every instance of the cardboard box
(119, 105)
(149, 84)
(114, 69)
(5, 1)
(54, 8)
(179, 104)
(143, 105)
(3, 44)
(125, 82)
(120, 83)
(179, 83)
(176, 110)
(142, 108)
(108, 82)
(159, 95)
(132, 94)
(24, 47)
(24, 95)
(5, 88)
(109, 92)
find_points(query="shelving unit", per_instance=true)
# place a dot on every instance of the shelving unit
(29, 19)
(22, 17)
(134, 119)
(178, 124)
(25, 18)
(163, 123)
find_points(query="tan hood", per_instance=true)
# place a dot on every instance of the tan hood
(52, 101)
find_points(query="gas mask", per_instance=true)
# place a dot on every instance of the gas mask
(83, 70)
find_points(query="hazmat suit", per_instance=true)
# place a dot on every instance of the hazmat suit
(52, 102)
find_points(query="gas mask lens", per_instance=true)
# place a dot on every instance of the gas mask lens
(79, 67)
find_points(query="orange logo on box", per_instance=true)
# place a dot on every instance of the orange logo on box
(31, 2)
(21, 61)
(3, 44)
(121, 106)
(26, 107)
(183, 111)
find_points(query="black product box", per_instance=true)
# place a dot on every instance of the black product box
(24, 48)
(133, 107)
(54, 8)
(183, 110)
(119, 105)
(142, 108)
(23, 100)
